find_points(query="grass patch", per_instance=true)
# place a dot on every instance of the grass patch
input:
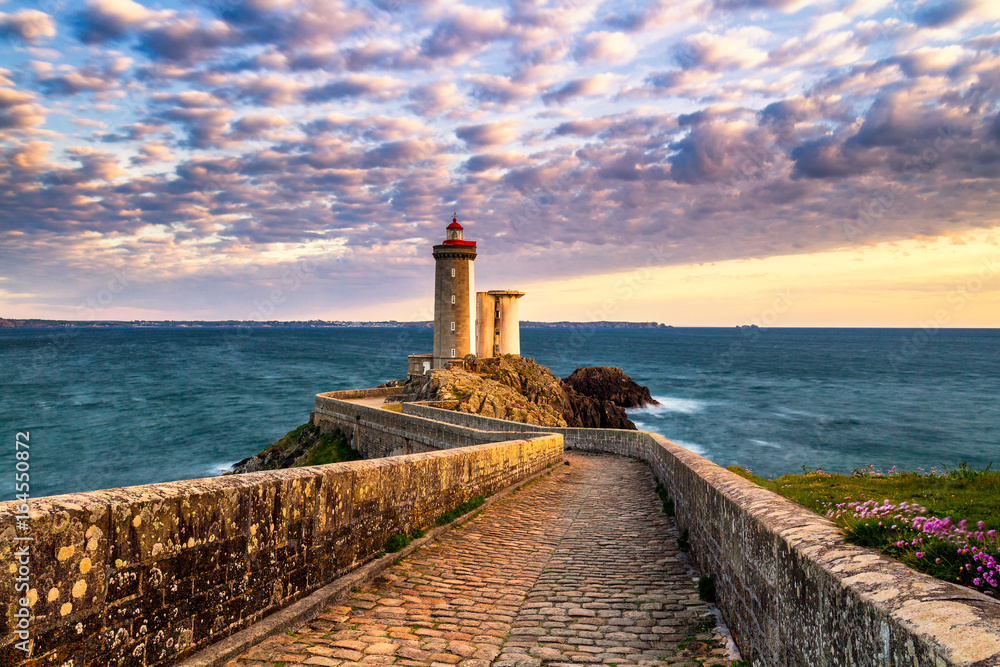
(417, 533)
(668, 503)
(289, 438)
(942, 524)
(396, 543)
(329, 448)
(464, 508)
(961, 493)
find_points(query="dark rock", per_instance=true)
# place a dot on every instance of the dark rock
(606, 383)
(590, 412)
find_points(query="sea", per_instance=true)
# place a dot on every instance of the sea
(112, 407)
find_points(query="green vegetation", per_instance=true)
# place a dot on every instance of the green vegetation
(706, 588)
(464, 508)
(683, 542)
(289, 438)
(329, 448)
(397, 542)
(668, 504)
(940, 523)
(417, 533)
(961, 493)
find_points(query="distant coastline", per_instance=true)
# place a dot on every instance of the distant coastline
(298, 324)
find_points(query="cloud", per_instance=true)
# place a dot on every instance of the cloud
(737, 48)
(90, 79)
(718, 150)
(941, 13)
(357, 85)
(501, 89)
(28, 25)
(187, 39)
(828, 158)
(489, 161)
(104, 20)
(212, 137)
(95, 165)
(18, 110)
(206, 127)
(153, 153)
(613, 47)
(270, 91)
(659, 14)
(433, 99)
(467, 31)
(31, 157)
(584, 86)
(898, 117)
(584, 127)
(488, 134)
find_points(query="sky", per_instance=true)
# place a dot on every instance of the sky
(698, 162)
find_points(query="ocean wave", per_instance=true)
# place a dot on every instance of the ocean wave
(669, 404)
(690, 446)
(789, 413)
(765, 443)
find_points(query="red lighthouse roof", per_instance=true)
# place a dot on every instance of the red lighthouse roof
(455, 235)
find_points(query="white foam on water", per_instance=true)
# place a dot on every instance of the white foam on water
(765, 443)
(690, 446)
(216, 469)
(788, 413)
(668, 404)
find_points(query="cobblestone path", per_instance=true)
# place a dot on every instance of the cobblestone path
(579, 567)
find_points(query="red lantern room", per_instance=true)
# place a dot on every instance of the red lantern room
(454, 236)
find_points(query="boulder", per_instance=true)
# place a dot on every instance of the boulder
(606, 383)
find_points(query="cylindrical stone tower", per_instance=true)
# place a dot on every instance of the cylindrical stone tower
(454, 289)
(498, 323)
(485, 308)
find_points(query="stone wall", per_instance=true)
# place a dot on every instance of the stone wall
(376, 433)
(146, 575)
(792, 591)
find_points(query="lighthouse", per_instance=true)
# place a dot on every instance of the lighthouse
(454, 294)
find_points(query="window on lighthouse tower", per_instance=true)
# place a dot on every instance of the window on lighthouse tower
(453, 273)
(453, 298)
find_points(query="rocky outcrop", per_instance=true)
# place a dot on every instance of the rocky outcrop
(304, 446)
(520, 389)
(475, 394)
(606, 383)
